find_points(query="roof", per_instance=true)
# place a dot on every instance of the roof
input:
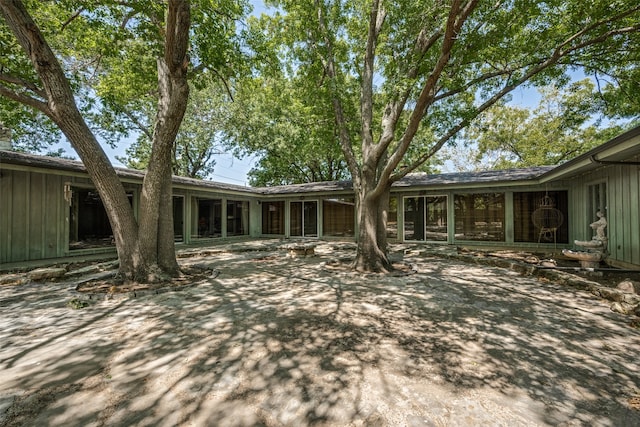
(619, 149)
(311, 187)
(59, 163)
(492, 176)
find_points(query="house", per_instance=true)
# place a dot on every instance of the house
(49, 208)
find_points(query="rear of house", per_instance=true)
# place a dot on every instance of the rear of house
(49, 207)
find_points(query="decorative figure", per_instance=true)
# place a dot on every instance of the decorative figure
(596, 248)
(599, 226)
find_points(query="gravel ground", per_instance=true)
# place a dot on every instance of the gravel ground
(279, 341)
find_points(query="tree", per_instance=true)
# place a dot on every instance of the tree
(61, 65)
(279, 120)
(560, 128)
(431, 68)
(199, 139)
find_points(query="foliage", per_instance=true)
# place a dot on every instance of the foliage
(560, 128)
(199, 138)
(288, 128)
(109, 50)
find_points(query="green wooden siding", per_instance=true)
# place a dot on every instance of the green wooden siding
(623, 210)
(31, 216)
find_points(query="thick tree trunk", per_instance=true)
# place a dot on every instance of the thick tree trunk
(156, 210)
(371, 253)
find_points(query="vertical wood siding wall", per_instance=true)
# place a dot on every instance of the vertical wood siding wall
(32, 216)
(623, 210)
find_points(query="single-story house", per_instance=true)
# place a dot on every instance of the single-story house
(49, 207)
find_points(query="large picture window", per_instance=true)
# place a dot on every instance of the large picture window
(551, 213)
(237, 218)
(273, 217)
(425, 218)
(209, 218)
(338, 217)
(479, 216)
(597, 199)
(178, 218)
(89, 225)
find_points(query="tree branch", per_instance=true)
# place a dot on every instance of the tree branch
(24, 99)
(341, 122)
(8, 78)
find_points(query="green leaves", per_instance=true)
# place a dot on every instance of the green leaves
(108, 49)
(559, 129)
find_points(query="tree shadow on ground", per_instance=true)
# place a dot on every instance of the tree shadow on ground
(280, 341)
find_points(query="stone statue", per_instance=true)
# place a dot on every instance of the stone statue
(596, 248)
(599, 227)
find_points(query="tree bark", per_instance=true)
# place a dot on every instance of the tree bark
(371, 252)
(156, 204)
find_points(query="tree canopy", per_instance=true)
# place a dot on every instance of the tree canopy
(200, 138)
(425, 70)
(565, 124)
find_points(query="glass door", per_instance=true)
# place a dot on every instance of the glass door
(303, 219)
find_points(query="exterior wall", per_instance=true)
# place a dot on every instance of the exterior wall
(622, 211)
(32, 216)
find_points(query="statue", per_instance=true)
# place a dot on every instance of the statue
(596, 248)
(599, 226)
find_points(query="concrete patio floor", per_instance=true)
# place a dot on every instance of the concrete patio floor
(281, 341)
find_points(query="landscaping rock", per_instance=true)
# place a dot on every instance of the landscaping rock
(46, 273)
(13, 279)
(622, 308)
(629, 286)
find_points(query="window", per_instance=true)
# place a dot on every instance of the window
(338, 217)
(209, 218)
(551, 210)
(273, 217)
(425, 218)
(479, 216)
(597, 199)
(237, 218)
(178, 218)
(304, 219)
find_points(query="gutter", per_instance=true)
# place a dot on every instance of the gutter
(611, 162)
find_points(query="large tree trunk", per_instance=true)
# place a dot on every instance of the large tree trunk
(371, 253)
(156, 210)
